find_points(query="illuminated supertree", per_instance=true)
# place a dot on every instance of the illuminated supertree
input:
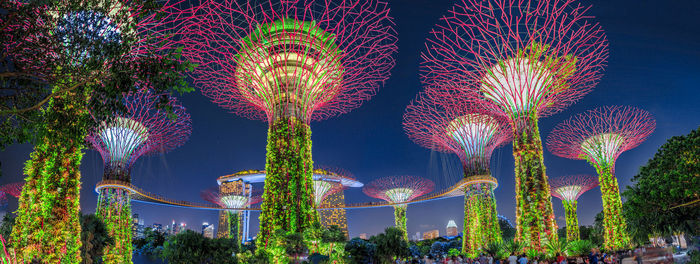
(76, 57)
(288, 63)
(232, 198)
(440, 123)
(399, 190)
(523, 60)
(599, 136)
(13, 189)
(142, 130)
(569, 189)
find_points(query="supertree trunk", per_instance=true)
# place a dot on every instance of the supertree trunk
(572, 230)
(288, 199)
(534, 213)
(400, 219)
(615, 235)
(114, 208)
(234, 226)
(47, 226)
(480, 218)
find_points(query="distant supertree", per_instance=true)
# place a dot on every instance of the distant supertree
(399, 190)
(232, 198)
(440, 123)
(599, 136)
(330, 180)
(523, 60)
(13, 189)
(288, 63)
(143, 129)
(569, 189)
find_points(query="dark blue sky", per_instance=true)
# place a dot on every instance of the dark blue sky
(654, 64)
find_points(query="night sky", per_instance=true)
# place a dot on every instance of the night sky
(654, 64)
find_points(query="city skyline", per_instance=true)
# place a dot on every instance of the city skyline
(374, 145)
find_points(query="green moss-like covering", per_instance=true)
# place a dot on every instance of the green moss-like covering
(114, 208)
(234, 226)
(615, 235)
(534, 214)
(480, 218)
(400, 219)
(288, 199)
(572, 230)
(47, 227)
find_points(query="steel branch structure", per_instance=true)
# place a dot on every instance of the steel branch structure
(12, 189)
(569, 189)
(438, 122)
(523, 60)
(288, 63)
(399, 189)
(121, 140)
(599, 136)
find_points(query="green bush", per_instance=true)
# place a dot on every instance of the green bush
(579, 247)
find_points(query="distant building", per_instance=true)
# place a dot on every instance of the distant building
(416, 237)
(431, 234)
(363, 236)
(181, 228)
(452, 229)
(334, 217)
(137, 227)
(207, 230)
(157, 227)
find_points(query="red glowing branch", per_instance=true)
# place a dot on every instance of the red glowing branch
(602, 134)
(311, 59)
(212, 195)
(144, 129)
(14, 189)
(439, 122)
(397, 189)
(571, 187)
(517, 57)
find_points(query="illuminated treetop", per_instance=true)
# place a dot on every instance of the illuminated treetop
(398, 189)
(144, 129)
(329, 180)
(231, 200)
(443, 124)
(521, 57)
(309, 59)
(602, 134)
(571, 187)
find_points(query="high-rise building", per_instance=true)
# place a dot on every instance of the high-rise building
(334, 217)
(416, 237)
(431, 234)
(237, 187)
(181, 228)
(452, 229)
(363, 236)
(157, 227)
(136, 226)
(207, 230)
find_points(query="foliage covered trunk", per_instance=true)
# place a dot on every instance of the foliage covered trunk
(234, 226)
(480, 218)
(47, 226)
(288, 199)
(534, 213)
(114, 208)
(400, 219)
(615, 235)
(572, 230)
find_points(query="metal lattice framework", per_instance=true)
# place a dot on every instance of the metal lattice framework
(13, 189)
(438, 122)
(571, 187)
(523, 60)
(310, 59)
(517, 56)
(602, 134)
(144, 129)
(599, 136)
(398, 189)
(225, 201)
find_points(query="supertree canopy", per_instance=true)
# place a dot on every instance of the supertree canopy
(599, 136)
(77, 58)
(399, 190)
(232, 198)
(143, 129)
(569, 189)
(441, 123)
(522, 60)
(13, 189)
(289, 62)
